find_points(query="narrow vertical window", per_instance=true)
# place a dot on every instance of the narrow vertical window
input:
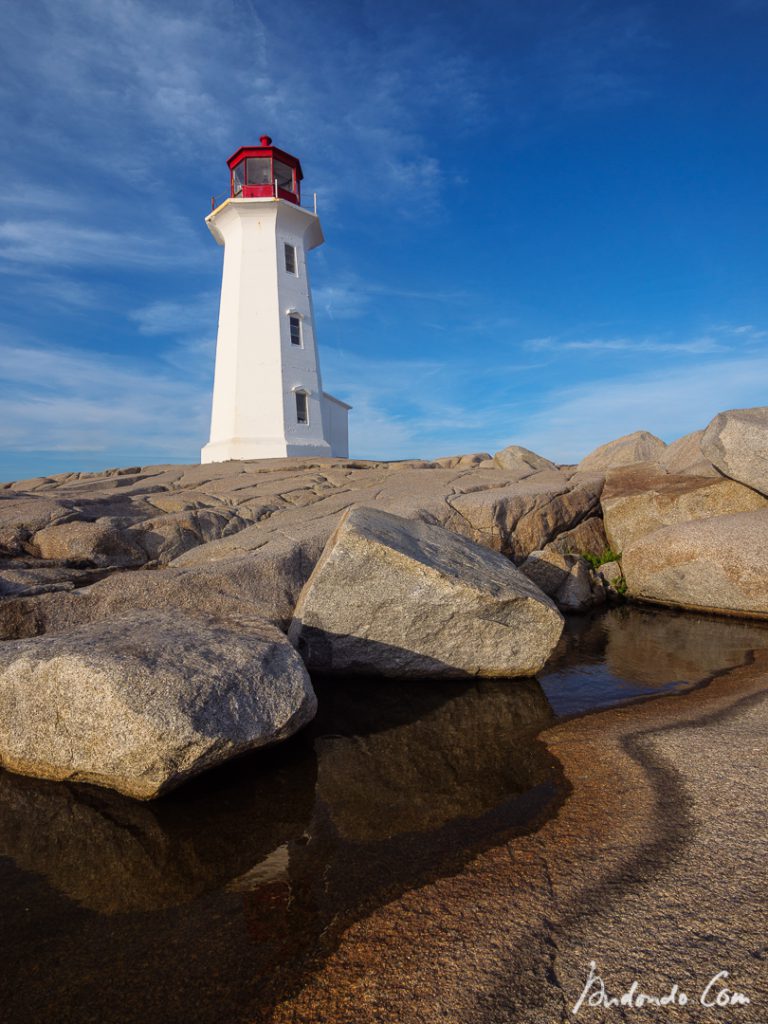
(302, 410)
(295, 323)
(290, 258)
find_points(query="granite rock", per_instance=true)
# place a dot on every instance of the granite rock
(141, 703)
(736, 443)
(406, 599)
(718, 564)
(638, 447)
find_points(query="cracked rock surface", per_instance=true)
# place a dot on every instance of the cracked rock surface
(248, 532)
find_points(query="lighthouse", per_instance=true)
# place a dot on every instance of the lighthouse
(268, 398)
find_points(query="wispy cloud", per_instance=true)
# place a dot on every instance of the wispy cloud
(695, 346)
(171, 318)
(424, 407)
(406, 408)
(56, 243)
(350, 296)
(568, 423)
(82, 401)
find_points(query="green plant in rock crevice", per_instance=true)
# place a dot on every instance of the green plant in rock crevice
(597, 560)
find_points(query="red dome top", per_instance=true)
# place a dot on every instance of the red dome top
(265, 170)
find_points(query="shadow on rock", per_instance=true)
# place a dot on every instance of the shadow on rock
(392, 786)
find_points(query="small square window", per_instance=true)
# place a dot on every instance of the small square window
(295, 324)
(302, 409)
(290, 258)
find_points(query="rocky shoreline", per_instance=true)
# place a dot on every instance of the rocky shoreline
(653, 868)
(157, 621)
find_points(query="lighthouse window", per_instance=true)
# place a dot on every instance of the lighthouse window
(238, 178)
(284, 175)
(259, 171)
(302, 410)
(295, 323)
(290, 258)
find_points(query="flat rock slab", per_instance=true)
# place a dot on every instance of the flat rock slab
(141, 703)
(400, 598)
(718, 565)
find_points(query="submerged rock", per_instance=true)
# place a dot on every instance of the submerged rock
(736, 443)
(144, 702)
(466, 751)
(404, 599)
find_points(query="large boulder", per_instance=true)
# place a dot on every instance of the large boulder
(736, 443)
(141, 703)
(521, 461)
(684, 457)
(638, 447)
(718, 564)
(406, 599)
(638, 502)
(22, 515)
(252, 531)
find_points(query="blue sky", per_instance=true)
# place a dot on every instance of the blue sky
(546, 222)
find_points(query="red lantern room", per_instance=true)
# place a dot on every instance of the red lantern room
(265, 170)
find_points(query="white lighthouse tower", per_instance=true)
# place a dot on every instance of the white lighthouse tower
(268, 398)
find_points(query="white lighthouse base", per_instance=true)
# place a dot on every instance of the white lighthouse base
(245, 448)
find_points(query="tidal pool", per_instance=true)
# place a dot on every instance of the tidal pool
(212, 904)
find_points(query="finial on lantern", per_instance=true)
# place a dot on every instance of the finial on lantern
(265, 140)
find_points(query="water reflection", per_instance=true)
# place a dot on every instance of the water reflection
(214, 902)
(631, 652)
(392, 785)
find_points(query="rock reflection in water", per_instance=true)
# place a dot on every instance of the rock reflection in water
(392, 786)
(630, 652)
(112, 854)
(215, 902)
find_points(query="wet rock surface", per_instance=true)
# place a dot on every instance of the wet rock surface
(439, 882)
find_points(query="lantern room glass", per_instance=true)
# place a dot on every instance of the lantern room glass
(284, 175)
(258, 170)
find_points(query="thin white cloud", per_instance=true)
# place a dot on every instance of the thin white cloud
(172, 318)
(694, 346)
(78, 401)
(569, 423)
